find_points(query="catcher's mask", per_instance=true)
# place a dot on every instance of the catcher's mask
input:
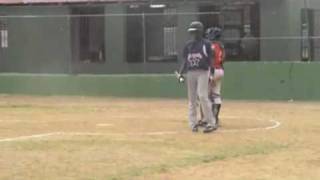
(213, 33)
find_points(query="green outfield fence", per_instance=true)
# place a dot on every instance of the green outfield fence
(243, 80)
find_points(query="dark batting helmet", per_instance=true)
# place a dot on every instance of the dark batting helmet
(196, 26)
(213, 33)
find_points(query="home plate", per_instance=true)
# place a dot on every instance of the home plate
(104, 125)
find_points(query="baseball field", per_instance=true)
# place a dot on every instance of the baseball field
(87, 138)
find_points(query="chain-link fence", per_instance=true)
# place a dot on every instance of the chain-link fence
(149, 36)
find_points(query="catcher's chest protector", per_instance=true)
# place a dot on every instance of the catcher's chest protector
(218, 55)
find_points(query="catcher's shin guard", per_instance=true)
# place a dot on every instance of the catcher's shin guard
(217, 112)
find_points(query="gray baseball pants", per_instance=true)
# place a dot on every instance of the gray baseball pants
(197, 81)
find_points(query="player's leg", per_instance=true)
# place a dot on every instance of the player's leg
(203, 88)
(211, 97)
(216, 93)
(201, 112)
(192, 98)
(216, 107)
(202, 121)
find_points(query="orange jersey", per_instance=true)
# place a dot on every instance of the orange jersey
(218, 57)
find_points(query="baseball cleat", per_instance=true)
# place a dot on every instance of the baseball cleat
(202, 123)
(209, 129)
(217, 123)
(195, 129)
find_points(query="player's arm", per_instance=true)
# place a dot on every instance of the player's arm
(179, 74)
(217, 78)
(183, 66)
(210, 52)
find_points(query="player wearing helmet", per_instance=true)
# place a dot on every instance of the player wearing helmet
(197, 56)
(214, 35)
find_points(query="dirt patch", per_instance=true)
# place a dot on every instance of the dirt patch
(114, 138)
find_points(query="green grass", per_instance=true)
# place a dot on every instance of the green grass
(225, 153)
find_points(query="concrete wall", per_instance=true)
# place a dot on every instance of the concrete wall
(116, 45)
(275, 23)
(282, 18)
(245, 81)
(38, 45)
(43, 45)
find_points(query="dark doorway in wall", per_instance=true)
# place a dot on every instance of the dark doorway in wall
(233, 24)
(241, 27)
(310, 27)
(161, 32)
(134, 30)
(3, 35)
(210, 16)
(88, 36)
(151, 34)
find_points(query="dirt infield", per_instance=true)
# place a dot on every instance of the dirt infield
(66, 138)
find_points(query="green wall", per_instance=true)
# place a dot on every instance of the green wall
(37, 45)
(274, 22)
(116, 45)
(43, 45)
(282, 18)
(247, 81)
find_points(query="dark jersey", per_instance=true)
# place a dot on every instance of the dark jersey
(198, 55)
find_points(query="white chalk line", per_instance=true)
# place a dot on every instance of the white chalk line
(22, 138)
(104, 125)
(41, 136)
(275, 124)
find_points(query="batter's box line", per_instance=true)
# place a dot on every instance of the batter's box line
(275, 125)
